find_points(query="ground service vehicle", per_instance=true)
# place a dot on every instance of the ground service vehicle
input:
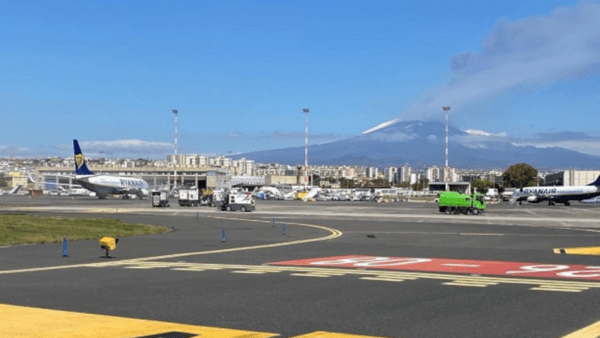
(160, 199)
(243, 202)
(452, 202)
(216, 199)
(189, 197)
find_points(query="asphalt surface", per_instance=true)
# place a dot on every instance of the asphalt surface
(191, 276)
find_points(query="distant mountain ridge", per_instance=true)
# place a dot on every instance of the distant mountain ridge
(421, 143)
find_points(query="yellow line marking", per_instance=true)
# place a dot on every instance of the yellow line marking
(542, 288)
(310, 275)
(50, 268)
(376, 275)
(257, 272)
(559, 286)
(466, 284)
(334, 234)
(383, 279)
(590, 250)
(28, 322)
(323, 334)
(592, 331)
(472, 281)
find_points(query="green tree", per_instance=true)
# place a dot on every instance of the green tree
(520, 175)
(403, 185)
(347, 183)
(378, 182)
(482, 186)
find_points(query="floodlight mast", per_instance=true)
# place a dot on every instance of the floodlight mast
(305, 111)
(175, 112)
(446, 168)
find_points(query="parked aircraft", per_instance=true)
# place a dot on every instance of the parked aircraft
(63, 189)
(557, 194)
(311, 194)
(103, 185)
(73, 191)
(270, 193)
(15, 190)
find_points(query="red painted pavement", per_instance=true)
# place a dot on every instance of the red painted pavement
(494, 268)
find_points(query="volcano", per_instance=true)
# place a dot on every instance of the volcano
(421, 144)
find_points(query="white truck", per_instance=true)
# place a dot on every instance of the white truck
(160, 199)
(216, 198)
(238, 201)
(189, 197)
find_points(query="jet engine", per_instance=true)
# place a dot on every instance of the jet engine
(532, 199)
(143, 193)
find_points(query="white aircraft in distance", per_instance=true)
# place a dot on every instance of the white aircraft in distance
(103, 185)
(557, 194)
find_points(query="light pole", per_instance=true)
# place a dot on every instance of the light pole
(305, 111)
(446, 169)
(175, 112)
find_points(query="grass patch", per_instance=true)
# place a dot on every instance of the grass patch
(24, 229)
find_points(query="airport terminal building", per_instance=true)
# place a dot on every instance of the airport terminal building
(569, 178)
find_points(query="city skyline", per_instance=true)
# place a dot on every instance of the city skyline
(109, 74)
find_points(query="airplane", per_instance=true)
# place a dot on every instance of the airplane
(557, 194)
(15, 190)
(103, 185)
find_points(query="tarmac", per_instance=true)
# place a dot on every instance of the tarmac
(262, 282)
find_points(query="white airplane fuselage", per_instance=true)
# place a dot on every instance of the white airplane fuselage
(104, 185)
(556, 194)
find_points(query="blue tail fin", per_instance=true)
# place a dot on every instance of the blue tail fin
(596, 182)
(80, 166)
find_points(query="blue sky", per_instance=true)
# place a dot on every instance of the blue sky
(109, 72)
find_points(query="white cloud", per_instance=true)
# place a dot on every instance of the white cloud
(125, 144)
(534, 52)
(392, 137)
(282, 135)
(484, 133)
(380, 126)
(14, 151)
(124, 148)
(588, 146)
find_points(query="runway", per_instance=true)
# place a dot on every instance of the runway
(260, 282)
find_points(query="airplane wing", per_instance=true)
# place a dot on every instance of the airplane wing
(33, 180)
(519, 196)
(515, 198)
(15, 189)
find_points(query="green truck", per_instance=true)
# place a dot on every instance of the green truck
(452, 202)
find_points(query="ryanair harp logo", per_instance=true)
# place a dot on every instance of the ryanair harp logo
(79, 160)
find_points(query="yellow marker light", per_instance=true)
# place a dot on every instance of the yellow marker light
(108, 244)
